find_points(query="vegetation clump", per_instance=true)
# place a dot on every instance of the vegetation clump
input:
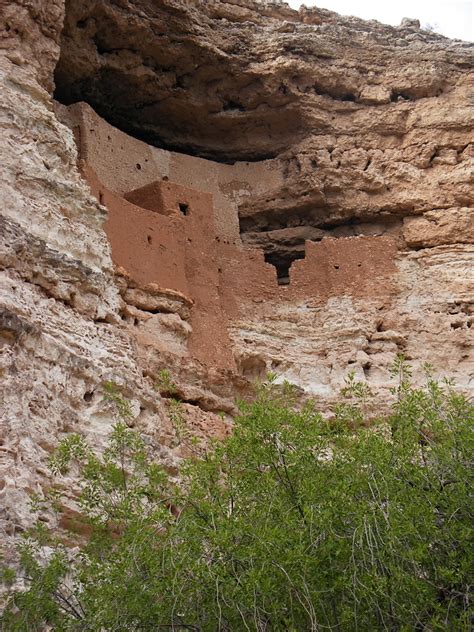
(294, 522)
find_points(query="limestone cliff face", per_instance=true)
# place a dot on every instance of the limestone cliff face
(249, 188)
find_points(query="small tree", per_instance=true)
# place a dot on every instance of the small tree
(294, 522)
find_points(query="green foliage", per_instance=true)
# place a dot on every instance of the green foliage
(165, 384)
(292, 523)
(122, 405)
(178, 421)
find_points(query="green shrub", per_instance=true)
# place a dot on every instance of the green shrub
(294, 522)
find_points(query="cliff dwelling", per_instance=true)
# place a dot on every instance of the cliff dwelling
(173, 223)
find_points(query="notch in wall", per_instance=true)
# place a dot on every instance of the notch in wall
(282, 263)
(184, 208)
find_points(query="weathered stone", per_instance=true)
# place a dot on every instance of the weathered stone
(440, 227)
(225, 81)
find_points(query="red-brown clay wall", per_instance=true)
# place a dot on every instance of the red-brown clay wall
(246, 281)
(170, 240)
(148, 245)
(359, 266)
(209, 342)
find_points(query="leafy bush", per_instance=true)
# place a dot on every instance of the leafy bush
(294, 522)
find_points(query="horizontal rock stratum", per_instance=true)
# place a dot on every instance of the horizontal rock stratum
(221, 189)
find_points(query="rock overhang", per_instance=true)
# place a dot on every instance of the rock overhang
(245, 80)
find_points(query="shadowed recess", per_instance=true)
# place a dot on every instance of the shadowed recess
(162, 82)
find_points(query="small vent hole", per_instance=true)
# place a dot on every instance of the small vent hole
(184, 208)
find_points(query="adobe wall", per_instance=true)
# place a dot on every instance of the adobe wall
(123, 163)
(166, 237)
(172, 221)
(150, 246)
(358, 266)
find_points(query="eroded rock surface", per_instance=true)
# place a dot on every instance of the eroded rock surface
(296, 196)
(246, 80)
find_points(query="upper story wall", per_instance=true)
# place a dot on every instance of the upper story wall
(123, 163)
